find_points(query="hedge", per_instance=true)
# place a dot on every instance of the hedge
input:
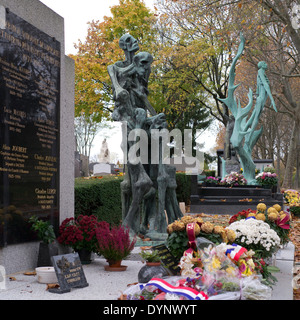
(102, 197)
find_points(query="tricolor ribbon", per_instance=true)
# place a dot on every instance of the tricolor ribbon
(164, 286)
(235, 251)
(190, 230)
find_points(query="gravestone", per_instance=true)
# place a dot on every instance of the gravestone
(29, 130)
(36, 96)
(69, 273)
(102, 168)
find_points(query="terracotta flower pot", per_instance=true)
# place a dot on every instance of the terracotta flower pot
(115, 266)
(153, 264)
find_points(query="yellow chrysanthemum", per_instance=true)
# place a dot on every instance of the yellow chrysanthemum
(230, 235)
(271, 209)
(261, 207)
(178, 226)
(187, 219)
(251, 214)
(272, 216)
(261, 216)
(170, 228)
(207, 227)
(198, 220)
(277, 207)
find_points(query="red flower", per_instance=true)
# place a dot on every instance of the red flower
(115, 243)
(80, 233)
(241, 215)
(283, 222)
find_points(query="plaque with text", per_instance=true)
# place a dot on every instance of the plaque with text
(29, 128)
(69, 273)
(167, 259)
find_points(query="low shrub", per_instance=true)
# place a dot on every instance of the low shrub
(102, 196)
(99, 197)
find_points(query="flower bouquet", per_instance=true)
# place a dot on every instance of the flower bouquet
(277, 219)
(211, 180)
(234, 179)
(291, 197)
(114, 244)
(178, 240)
(267, 179)
(256, 235)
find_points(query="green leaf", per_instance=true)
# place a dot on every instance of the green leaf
(273, 269)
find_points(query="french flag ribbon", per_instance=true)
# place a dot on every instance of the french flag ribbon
(235, 251)
(164, 286)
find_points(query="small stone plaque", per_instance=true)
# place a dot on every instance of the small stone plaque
(167, 259)
(69, 272)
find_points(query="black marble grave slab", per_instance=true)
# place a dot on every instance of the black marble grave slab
(29, 128)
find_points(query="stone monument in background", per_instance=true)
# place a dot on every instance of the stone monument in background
(104, 167)
(104, 156)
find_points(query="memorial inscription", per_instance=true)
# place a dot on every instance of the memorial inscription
(69, 273)
(29, 128)
(167, 259)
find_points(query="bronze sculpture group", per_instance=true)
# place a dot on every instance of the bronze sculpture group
(148, 190)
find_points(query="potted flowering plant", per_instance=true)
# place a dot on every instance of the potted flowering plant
(267, 179)
(80, 234)
(234, 179)
(295, 209)
(291, 197)
(114, 244)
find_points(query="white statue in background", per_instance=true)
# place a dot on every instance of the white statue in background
(104, 156)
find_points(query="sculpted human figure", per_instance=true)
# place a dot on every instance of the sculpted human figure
(245, 133)
(263, 87)
(104, 156)
(130, 90)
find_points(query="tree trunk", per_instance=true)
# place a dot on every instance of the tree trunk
(288, 176)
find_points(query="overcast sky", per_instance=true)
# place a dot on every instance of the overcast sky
(77, 13)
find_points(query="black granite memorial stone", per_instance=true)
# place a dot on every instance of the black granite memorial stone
(69, 273)
(167, 259)
(29, 128)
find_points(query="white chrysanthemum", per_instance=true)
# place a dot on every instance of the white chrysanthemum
(255, 231)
